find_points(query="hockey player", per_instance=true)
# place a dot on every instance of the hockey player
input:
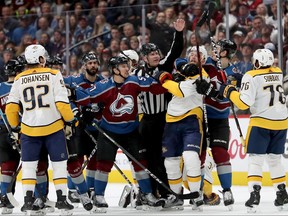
(9, 157)
(183, 66)
(184, 115)
(262, 91)
(154, 107)
(120, 121)
(80, 143)
(43, 97)
(218, 110)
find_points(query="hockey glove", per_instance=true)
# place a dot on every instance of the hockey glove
(71, 93)
(225, 90)
(205, 88)
(178, 77)
(87, 115)
(235, 79)
(188, 70)
(161, 76)
(70, 127)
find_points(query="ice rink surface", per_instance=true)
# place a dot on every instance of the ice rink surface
(114, 191)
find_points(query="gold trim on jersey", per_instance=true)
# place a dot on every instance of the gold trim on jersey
(174, 88)
(36, 71)
(65, 110)
(42, 130)
(175, 181)
(12, 110)
(272, 124)
(262, 71)
(235, 98)
(281, 179)
(196, 111)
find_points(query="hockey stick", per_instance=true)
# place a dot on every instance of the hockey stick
(9, 193)
(126, 191)
(205, 17)
(224, 78)
(179, 196)
(15, 144)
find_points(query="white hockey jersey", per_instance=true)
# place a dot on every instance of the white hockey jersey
(42, 97)
(185, 101)
(262, 91)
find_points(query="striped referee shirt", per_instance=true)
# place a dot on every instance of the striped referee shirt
(150, 103)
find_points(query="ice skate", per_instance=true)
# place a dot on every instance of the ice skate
(37, 208)
(7, 207)
(86, 201)
(125, 198)
(213, 199)
(281, 201)
(28, 202)
(149, 201)
(62, 204)
(197, 203)
(253, 202)
(173, 202)
(228, 199)
(73, 197)
(100, 204)
(136, 200)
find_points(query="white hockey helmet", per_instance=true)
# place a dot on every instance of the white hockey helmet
(34, 52)
(202, 50)
(264, 57)
(131, 54)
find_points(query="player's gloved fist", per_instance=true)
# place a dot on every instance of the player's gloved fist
(235, 79)
(16, 129)
(178, 77)
(189, 70)
(205, 88)
(161, 76)
(87, 115)
(225, 90)
(71, 90)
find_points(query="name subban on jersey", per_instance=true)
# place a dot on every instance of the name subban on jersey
(272, 78)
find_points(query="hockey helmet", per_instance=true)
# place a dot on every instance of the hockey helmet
(229, 46)
(148, 48)
(202, 50)
(264, 57)
(21, 59)
(89, 57)
(34, 52)
(131, 54)
(115, 61)
(12, 67)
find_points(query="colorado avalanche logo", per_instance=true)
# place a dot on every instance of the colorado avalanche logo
(123, 104)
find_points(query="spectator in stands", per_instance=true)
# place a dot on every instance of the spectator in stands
(61, 26)
(272, 20)
(161, 33)
(46, 11)
(238, 38)
(9, 23)
(124, 44)
(74, 68)
(115, 47)
(134, 43)
(244, 17)
(26, 40)
(257, 25)
(129, 30)
(100, 47)
(24, 28)
(43, 28)
(101, 26)
(3, 37)
(46, 43)
(262, 11)
(246, 63)
(57, 43)
(83, 30)
(170, 16)
(8, 54)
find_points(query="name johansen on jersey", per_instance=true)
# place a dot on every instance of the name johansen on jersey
(34, 78)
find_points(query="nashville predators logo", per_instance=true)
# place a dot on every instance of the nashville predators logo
(123, 104)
